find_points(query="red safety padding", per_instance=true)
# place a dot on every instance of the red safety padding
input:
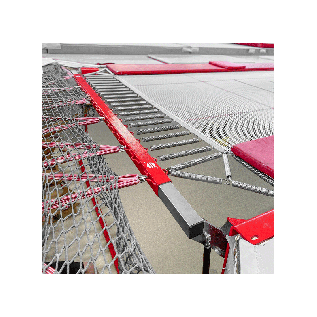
(87, 70)
(244, 66)
(227, 65)
(267, 45)
(258, 153)
(258, 66)
(262, 45)
(152, 69)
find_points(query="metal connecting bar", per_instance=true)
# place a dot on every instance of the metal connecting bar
(158, 129)
(173, 144)
(195, 162)
(184, 153)
(185, 215)
(196, 177)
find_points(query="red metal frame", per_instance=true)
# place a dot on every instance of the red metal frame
(254, 230)
(145, 163)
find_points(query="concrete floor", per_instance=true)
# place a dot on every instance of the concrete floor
(166, 246)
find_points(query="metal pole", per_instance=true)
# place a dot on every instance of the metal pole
(206, 260)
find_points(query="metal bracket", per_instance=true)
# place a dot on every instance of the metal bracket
(215, 237)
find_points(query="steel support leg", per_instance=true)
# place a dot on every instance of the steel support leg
(206, 260)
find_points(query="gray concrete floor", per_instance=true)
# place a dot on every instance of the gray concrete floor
(166, 246)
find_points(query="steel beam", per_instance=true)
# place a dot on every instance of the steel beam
(181, 210)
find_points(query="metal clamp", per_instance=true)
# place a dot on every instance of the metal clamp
(142, 178)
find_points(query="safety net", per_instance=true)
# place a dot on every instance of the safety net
(84, 226)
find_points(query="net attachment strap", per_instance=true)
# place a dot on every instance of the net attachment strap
(66, 200)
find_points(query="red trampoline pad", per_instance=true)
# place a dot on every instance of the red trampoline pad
(227, 65)
(258, 66)
(243, 66)
(258, 153)
(152, 69)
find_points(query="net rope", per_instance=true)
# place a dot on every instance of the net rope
(83, 220)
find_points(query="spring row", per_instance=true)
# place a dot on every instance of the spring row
(173, 144)
(158, 129)
(252, 188)
(196, 177)
(184, 153)
(195, 162)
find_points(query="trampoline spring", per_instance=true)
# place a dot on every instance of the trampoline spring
(158, 129)
(196, 177)
(195, 162)
(153, 116)
(184, 153)
(165, 136)
(110, 97)
(140, 124)
(136, 112)
(173, 144)
(252, 188)
(111, 88)
(227, 166)
(128, 103)
(134, 108)
(126, 99)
